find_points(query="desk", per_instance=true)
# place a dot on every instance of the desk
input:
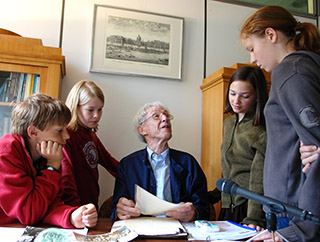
(103, 226)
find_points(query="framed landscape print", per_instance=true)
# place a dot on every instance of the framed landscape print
(133, 42)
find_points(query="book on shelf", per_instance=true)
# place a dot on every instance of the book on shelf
(14, 86)
(19, 88)
(3, 84)
(23, 89)
(5, 121)
(7, 89)
(28, 85)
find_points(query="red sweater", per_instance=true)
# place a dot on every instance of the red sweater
(82, 154)
(25, 196)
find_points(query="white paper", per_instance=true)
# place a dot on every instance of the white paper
(228, 231)
(10, 234)
(122, 234)
(151, 226)
(149, 204)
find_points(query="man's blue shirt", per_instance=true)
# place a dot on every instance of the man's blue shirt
(161, 169)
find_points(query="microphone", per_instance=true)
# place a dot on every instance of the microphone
(228, 186)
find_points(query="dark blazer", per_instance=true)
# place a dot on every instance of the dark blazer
(188, 182)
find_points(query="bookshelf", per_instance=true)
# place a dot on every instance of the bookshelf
(27, 57)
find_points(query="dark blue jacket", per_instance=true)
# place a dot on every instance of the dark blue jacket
(188, 182)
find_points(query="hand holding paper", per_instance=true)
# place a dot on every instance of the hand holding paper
(185, 213)
(149, 204)
(126, 209)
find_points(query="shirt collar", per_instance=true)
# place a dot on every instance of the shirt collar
(165, 154)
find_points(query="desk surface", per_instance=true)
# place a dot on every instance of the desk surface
(104, 226)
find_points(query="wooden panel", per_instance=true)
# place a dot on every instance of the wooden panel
(28, 55)
(213, 102)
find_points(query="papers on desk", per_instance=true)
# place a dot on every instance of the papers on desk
(10, 234)
(153, 227)
(31, 233)
(38, 234)
(149, 204)
(228, 231)
(122, 234)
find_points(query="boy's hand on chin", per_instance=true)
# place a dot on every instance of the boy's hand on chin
(52, 151)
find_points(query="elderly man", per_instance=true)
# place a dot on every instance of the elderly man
(171, 175)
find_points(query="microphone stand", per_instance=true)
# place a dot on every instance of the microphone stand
(275, 206)
(271, 227)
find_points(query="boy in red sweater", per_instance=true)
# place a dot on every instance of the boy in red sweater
(30, 159)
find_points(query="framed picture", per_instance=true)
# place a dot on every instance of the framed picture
(133, 42)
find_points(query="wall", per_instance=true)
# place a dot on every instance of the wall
(33, 18)
(224, 21)
(125, 94)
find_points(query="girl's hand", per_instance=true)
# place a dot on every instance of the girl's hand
(258, 228)
(308, 154)
(267, 237)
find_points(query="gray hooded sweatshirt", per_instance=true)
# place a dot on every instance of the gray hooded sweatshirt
(292, 114)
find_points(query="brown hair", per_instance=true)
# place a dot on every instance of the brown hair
(304, 36)
(80, 94)
(38, 110)
(256, 78)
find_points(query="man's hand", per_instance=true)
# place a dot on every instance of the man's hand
(52, 151)
(126, 209)
(308, 154)
(184, 214)
(84, 216)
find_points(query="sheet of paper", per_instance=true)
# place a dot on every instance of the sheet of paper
(151, 226)
(228, 231)
(149, 204)
(122, 234)
(11, 234)
(32, 233)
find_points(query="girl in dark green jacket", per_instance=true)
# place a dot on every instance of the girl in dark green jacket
(244, 144)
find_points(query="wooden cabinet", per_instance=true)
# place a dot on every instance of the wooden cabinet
(28, 55)
(214, 89)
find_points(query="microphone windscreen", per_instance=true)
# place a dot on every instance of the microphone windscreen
(224, 185)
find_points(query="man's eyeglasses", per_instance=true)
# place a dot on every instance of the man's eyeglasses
(157, 116)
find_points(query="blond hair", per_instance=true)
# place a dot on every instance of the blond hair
(80, 94)
(38, 110)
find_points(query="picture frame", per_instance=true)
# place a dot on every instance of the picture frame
(131, 42)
